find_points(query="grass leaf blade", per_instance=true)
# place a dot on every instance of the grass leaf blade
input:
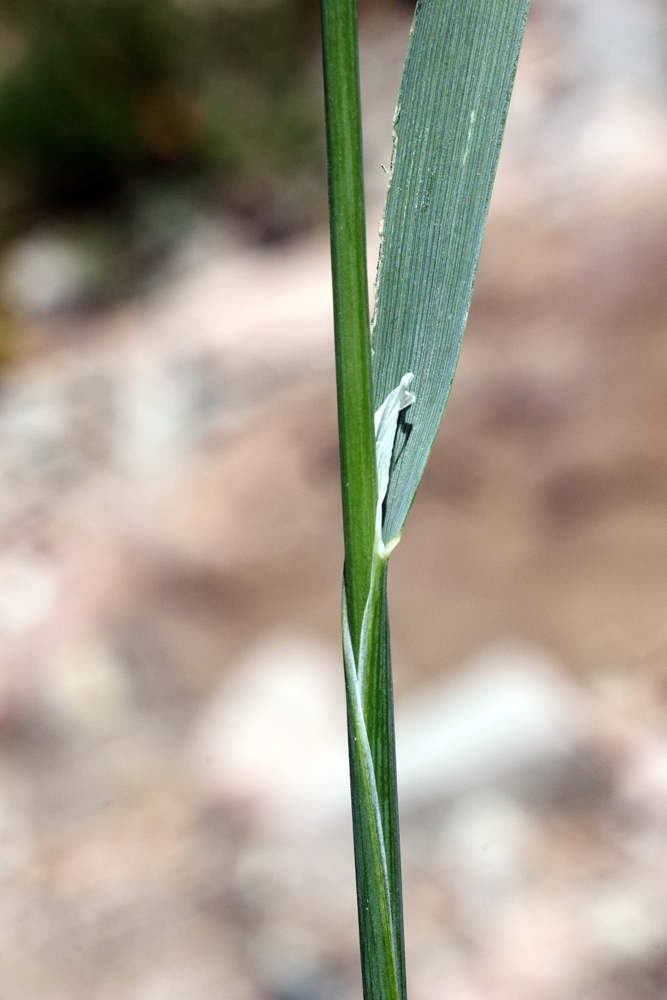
(454, 96)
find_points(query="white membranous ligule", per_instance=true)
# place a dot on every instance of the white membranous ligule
(386, 422)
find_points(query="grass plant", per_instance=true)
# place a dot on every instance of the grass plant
(394, 373)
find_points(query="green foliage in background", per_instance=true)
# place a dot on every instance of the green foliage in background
(79, 98)
(263, 97)
(96, 94)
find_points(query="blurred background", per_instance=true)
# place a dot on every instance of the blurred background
(174, 816)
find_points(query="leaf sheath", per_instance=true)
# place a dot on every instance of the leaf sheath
(374, 800)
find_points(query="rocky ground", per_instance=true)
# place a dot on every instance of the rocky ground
(173, 804)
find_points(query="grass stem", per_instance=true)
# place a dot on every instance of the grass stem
(350, 293)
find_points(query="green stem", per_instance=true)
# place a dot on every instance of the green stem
(350, 292)
(365, 623)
